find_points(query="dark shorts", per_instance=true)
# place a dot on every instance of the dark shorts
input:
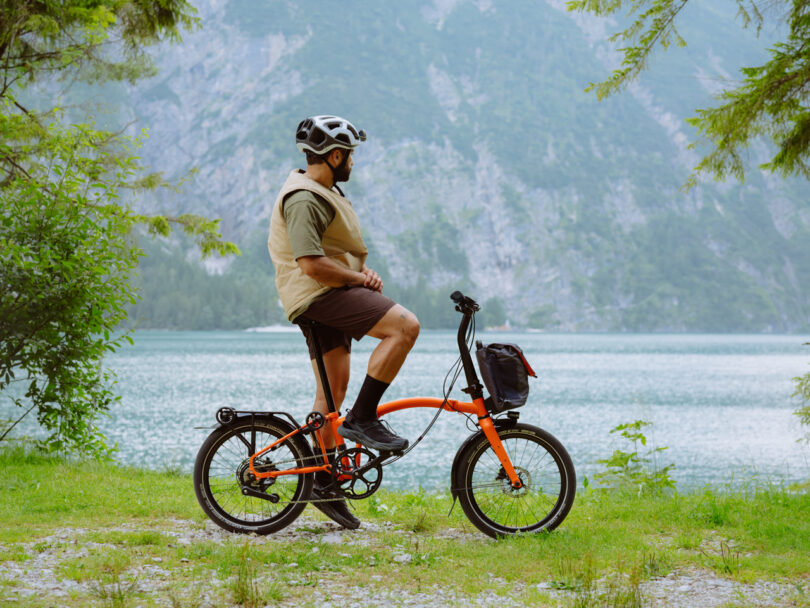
(344, 313)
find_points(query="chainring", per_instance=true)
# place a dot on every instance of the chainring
(357, 473)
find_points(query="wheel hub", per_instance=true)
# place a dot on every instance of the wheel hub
(525, 479)
(246, 478)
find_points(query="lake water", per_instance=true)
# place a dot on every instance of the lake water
(720, 403)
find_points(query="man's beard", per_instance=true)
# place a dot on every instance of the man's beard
(342, 173)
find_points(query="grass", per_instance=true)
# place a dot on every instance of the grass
(111, 534)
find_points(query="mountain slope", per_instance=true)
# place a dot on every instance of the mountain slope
(487, 166)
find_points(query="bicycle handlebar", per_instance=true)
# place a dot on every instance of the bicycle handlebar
(468, 307)
(463, 303)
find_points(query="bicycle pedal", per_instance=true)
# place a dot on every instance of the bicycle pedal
(383, 454)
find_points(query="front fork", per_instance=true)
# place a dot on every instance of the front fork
(491, 433)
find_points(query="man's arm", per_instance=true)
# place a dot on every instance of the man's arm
(327, 271)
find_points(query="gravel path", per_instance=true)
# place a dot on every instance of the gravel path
(37, 576)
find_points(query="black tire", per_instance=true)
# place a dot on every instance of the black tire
(223, 458)
(489, 501)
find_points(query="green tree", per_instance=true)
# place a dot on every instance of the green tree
(769, 102)
(66, 243)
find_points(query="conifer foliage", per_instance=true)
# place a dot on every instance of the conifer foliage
(770, 101)
(66, 245)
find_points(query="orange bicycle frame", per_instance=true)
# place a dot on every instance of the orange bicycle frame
(333, 419)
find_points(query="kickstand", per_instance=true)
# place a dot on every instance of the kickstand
(455, 498)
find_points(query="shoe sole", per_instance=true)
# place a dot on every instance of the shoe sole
(370, 443)
(327, 509)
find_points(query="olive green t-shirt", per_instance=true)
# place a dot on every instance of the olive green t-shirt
(307, 215)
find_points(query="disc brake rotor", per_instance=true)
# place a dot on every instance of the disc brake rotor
(506, 485)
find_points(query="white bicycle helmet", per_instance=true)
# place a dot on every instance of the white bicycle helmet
(322, 134)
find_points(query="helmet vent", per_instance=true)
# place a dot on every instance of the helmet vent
(317, 136)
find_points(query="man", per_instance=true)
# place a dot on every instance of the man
(316, 246)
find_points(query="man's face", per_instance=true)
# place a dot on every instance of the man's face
(343, 172)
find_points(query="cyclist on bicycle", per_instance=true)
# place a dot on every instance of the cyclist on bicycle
(319, 255)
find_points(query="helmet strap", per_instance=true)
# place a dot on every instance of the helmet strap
(332, 169)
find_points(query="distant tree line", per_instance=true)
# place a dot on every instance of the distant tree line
(176, 291)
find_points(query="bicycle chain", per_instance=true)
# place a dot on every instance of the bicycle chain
(315, 458)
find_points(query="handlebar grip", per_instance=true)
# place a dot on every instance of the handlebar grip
(463, 302)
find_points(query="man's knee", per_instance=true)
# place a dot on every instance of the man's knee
(411, 328)
(398, 324)
(408, 329)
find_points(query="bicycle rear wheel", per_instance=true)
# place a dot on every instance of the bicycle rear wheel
(544, 467)
(222, 470)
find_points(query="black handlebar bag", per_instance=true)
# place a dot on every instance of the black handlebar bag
(505, 373)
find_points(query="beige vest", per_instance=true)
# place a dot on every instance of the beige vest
(342, 241)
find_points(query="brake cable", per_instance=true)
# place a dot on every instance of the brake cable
(455, 370)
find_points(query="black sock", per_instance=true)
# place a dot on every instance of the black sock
(365, 408)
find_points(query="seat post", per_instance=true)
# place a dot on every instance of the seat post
(327, 389)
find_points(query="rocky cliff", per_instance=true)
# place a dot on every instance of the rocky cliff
(488, 168)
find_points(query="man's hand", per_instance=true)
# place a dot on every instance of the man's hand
(373, 280)
(329, 272)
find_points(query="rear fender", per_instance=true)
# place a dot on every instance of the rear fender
(228, 417)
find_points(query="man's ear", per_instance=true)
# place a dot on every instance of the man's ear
(336, 157)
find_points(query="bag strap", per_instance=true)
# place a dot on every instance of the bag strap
(519, 351)
(526, 363)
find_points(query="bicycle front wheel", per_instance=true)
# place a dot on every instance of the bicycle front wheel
(221, 472)
(544, 468)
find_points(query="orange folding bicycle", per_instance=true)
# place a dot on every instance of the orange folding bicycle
(254, 472)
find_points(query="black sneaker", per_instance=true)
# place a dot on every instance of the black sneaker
(372, 434)
(331, 504)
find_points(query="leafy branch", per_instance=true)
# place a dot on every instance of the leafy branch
(770, 101)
